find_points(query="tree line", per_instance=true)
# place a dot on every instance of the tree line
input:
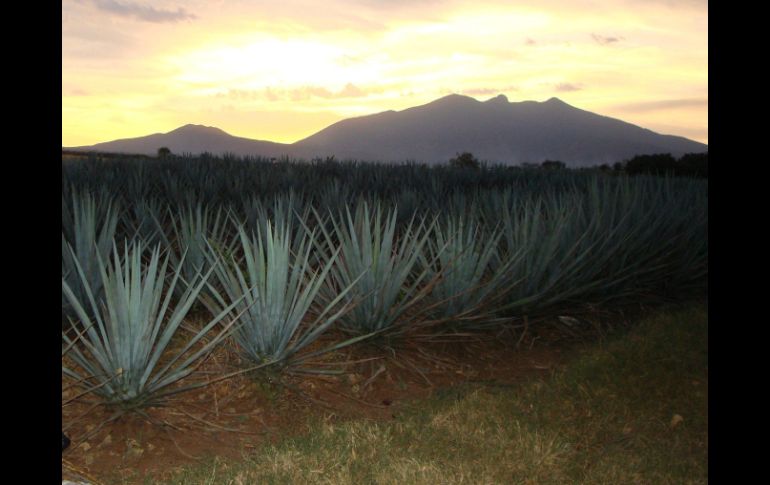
(689, 165)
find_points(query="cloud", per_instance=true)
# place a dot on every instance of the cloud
(351, 91)
(303, 93)
(479, 91)
(674, 3)
(389, 4)
(141, 12)
(604, 40)
(306, 92)
(665, 104)
(567, 87)
(242, 94)
(74, 91)
(87, 37)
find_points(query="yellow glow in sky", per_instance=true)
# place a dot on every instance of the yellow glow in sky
(282, 72)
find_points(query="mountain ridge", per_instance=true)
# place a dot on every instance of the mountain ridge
(495, 130)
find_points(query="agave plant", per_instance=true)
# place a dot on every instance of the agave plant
(275, 288)
(567, 236)
(88, 231)
(125, 339)
(461, 251)
(281, 212)
(603, 241)
(556, 250)
(145, 221)
(380, 267)
(194, 229)
(665, 236)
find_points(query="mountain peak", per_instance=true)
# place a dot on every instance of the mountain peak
(198, 129)
(454, 98)
(556, 102)
(499, 99)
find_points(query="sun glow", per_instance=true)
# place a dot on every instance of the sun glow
(266, 62)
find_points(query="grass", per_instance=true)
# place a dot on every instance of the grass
(632, 409)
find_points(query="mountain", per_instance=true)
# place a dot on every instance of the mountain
(495, 130)
(193, 139)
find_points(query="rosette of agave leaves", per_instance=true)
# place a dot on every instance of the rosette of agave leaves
(122, 352)
(272, 278)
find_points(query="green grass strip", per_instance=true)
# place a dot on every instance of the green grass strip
(633, 409)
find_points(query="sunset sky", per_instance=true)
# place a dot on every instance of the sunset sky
(281, 71)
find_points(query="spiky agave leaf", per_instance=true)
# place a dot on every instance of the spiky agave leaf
(276, 288)
(124, 337)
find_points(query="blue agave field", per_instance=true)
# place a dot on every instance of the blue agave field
(291, 260)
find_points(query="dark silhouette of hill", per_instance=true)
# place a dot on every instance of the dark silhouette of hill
(497, 131)
(192, 139)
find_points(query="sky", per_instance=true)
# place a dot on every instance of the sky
(283, 70)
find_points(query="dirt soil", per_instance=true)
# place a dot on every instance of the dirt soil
(232, 417)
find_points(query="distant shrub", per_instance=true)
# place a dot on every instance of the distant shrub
(553, 165)
(164, 152)
(689, 165)
(694, 165)
(660, 163)
(465, 160)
